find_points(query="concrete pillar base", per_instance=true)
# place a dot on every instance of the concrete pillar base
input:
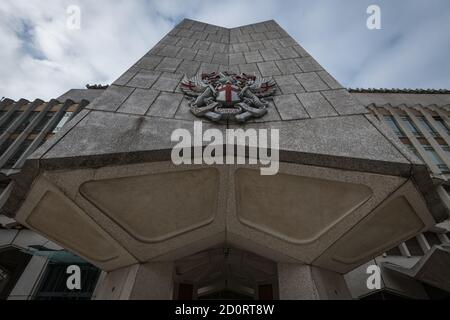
(303, 282)
(150, 281)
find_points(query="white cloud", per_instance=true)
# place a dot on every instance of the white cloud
(48, 59)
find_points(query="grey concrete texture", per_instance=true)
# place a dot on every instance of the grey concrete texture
(133, 283)
(263, 49)
(320, 122)
(301, 282)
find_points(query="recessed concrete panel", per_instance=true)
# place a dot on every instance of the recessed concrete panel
(385, 227)
(398, 218)
(294, 208)
(56, 217)
(306, 252)
(156, 207)
(170, 249)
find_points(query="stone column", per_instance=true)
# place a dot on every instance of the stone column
(150, 281)
(304, 282)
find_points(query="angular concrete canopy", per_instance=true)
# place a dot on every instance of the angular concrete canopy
(432, 269)
(106, 189)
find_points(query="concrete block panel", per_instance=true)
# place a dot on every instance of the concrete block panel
(400, 217)
(183, 201)
(294, 208)
(57, 218)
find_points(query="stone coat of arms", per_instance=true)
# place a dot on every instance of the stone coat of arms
(228, 96)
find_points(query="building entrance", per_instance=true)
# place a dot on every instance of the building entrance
(225, 274)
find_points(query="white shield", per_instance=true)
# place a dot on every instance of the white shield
(228, 94)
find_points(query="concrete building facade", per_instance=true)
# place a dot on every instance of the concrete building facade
(349, 191)
(418, 267)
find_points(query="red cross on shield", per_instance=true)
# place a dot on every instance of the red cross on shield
(228, 94)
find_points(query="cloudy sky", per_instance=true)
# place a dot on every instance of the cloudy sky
(41, 57)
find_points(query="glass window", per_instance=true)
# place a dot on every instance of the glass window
(442, 123)
(4, 279)
(43, 122)
(432, 238)
(437, 160)
(16, 156)
(394, 252)
(6, 145)
(411, 126)
(414, 247)
(393, 125)
(10, 121)
(3, 274)
(447, 150)
(3, 185)
(62, 122)
(27, 122)
(427, 125)
(447, 188)
(413, 150)
(53, 286)
(12, 264)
